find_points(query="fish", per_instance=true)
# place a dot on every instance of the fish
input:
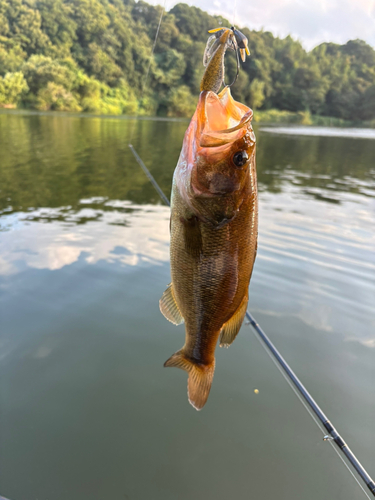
(213, 230)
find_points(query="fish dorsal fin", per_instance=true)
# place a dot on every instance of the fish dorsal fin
(169, 308)
(232, 327)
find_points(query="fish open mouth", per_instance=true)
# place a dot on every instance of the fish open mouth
(222, 120)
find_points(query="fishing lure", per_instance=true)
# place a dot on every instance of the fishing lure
(240, 40)
(217, 44)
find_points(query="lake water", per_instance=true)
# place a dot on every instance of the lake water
(87, 410)
(352, 133)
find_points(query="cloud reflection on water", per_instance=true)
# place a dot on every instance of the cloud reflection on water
(53, 238)
(306, 252)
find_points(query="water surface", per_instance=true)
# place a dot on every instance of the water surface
(353, 133)
(87, 409)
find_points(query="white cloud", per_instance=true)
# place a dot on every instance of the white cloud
(312, 22)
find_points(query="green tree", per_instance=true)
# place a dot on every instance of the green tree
(11, 57)
(40, 70)
(96, 55)
(12, 87)
(170, 68)
(367, 104)
(257, 93)
(56, 97)
(180, 102)
(23, 25)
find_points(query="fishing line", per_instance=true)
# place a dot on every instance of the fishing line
(153, 47)
(131, 147)
(234, 13)
(148, 68)
(350, 470)
(234, 43)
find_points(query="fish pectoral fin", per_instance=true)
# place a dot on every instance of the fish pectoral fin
(232, 326)
(169, 308)
(200, 377)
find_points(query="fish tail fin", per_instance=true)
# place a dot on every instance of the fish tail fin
(200, 377)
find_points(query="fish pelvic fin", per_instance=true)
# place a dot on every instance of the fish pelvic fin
(169, 308)
(200, 377)
(232, 326)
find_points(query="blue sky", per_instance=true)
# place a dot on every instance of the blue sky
(310, 21)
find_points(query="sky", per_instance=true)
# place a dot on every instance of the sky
(310, 21)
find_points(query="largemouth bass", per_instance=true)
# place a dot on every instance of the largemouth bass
(214, 225)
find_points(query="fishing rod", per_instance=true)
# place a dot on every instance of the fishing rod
(150, 177)
(300, 390)
(333, 434)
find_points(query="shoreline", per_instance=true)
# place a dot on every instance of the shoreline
(272, 117)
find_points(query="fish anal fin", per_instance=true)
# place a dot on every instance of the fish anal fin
(192, 235)
(232, 326)
(169, 308)
(200, 377)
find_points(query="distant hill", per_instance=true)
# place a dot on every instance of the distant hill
(92, 55)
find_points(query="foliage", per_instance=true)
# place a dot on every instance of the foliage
(12, 86)
(180, 102)
(96, 56)
(56, 97)
(257, 93)
(279, 116)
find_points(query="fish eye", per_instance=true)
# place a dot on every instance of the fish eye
(240, 158)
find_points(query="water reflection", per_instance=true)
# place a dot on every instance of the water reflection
(119, 232)
(56, 161)
(329, 165)
(353, 133)
(83, 261)
(71, 188)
